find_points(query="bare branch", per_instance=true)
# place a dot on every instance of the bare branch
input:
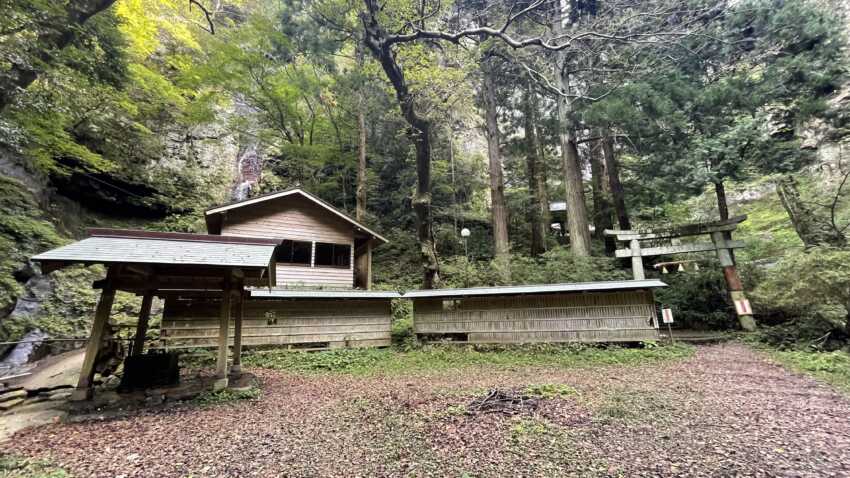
(207, 14)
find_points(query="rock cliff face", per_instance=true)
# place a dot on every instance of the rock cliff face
(197, 168)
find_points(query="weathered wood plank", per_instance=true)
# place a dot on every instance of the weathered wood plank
(679, 249)
(278, 322)
(678, 231)
(566, 317)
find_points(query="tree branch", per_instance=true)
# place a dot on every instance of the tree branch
(207, 14)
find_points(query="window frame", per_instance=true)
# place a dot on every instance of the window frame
(349, 261)
(292, 242)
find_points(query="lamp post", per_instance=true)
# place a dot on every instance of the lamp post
(464, 233)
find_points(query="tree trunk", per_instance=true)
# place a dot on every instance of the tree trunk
(618, 195)
(418, 132)
(812, 228)
(577, 223)
(49, 41)
(602, 210)
(539, 209)
(498, 210)
(360, 211)
(722, 204)
(360, 208)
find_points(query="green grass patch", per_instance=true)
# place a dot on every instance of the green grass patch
(441, 357)
(633, 406)
(830, 367)
(549, 390)
(12, 466)
(529, 428)
(227, 395)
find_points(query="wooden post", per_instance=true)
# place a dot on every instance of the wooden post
(637, 260)
(142, 325)
(223, 332)
(236, 368)
(733, 282)
(368, 265)
(84, 389)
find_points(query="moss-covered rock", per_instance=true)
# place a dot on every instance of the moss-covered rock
(23, 233)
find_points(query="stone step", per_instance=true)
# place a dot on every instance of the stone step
(11, 403)
(13, 395)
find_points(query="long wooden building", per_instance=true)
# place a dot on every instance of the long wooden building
(615, 311)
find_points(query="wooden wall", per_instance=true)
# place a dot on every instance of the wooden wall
(565, 317)
(339, 323)
(299, 219)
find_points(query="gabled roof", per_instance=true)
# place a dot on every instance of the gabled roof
(214, 212)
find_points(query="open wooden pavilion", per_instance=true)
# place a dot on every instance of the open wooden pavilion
(153, 264)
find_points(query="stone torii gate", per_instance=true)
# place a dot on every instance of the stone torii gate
(658, 242)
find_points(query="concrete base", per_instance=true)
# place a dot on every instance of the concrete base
(220, 384)
(81, 394)
(748, 323)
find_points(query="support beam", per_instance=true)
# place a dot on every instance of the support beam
(679, 231)
(84, 388)
(223, 332)
(142, 325)
(637, 260)
(236, 368)
(680, 248)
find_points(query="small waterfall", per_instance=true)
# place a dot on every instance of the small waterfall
(20, 355)
(249, 168)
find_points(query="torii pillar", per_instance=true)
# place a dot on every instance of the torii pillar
(733, 283)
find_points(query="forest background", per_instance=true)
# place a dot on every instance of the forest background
(533, 124)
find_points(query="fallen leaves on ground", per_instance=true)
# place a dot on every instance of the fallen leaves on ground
(725, 411)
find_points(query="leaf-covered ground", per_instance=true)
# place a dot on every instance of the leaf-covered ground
(725, 411)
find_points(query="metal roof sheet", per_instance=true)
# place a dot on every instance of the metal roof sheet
(538, 289)
(139, 250)
(323, 294)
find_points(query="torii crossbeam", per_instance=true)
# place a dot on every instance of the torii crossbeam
(720, 233)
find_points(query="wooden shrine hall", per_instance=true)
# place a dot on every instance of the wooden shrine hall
(159, 264)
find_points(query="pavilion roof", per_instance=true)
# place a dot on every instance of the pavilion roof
(122, 246)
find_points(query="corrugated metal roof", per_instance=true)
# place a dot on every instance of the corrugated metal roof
(538, 289)
(99, 249)
(323, 294)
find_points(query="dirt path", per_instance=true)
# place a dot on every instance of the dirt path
(724, 412)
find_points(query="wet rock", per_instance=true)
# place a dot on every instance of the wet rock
(61, 395)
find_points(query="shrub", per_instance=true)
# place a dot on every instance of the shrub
(831, 367)
(698, 299)
(807, 284)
